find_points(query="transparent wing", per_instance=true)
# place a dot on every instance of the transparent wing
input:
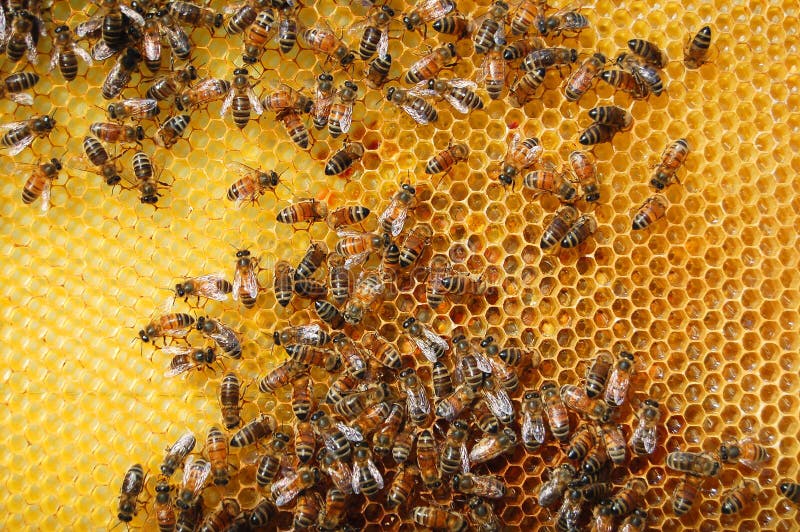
(152, 47)
(308, 333)
(90, 26)
(480, 449)
(175, 350)
(499, 403)
(383, 43)
(417, 401)
(419, 117)
(101, 52)
(22, 98)
(533, 428)
(460, 83)
(226, 338)
(53, 59)
(208, 286)
(426, 348)
(83, 54)
(421, 89)
(180, 364)
(226, 104)
(375, 474)
(237, 284)
(255, 103)
(464, 458)
(435, 338)
(355, 260)
(131, 14)
(355, 479)
(281, 495)
(349, 432)
(31, 48)
(457, 104)
(240, 168)
(347, 119)
(484, 364)
(183, 445)
(617, 387)
(250, 282)
(46, 196)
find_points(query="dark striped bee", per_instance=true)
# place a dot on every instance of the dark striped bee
(414, 244)
(402, 486)
(221, 517)
(195, 15)
(648, 51)
(597, 374)
(19, 135)
(791, 491)
(335, 441)
(446, 159)
(187, 358)
(492, 72)
(245, 281)
(171, 131)
(458, 92)
(490, 28)
(120, 74)
(626, 82)
(431, 64)
(581, 80)
(529, 13)
(39, 183)
(557, 415)
(429, 343)
(645, 435)
(329, 314)
(294, 126)
(695, 464)
(521, 47)
(242, 14)
(636, 522)
(482, 516)
(558, 227)
(280, 376)
(614, 442)
(583, 228)
(439, 519)
(598, 133)
(686, 493)
(66, 53)
(532, 429)
(550, 181)
(523, 90)
(283, 282)
(549, 57)
(132, 485)
(311, 261)
(377, 73)
(581, 442)
(671, 160)
(487, 486)
(230, 400)
(334, 511)
(454, 456)
(151, 42)
(344, 158)
(457, 25)
(288, 26)
(426, 11)
(241, 99)
(340, 116)
(293, 483)
(177, 38)
(310, 355)
(427, 459)
(629, 497)
(304, 441)
(645, 72)
(115, 23)
(177, 453)
(417, 108)
(225, 337)
(254, 431)
(375, 36)
(302, 334)
(258, 35)
(323, 100)
(566, 19)
(338, 278)
(653, 209)
(442, 380)
(144, 171)
(269, 463)
(167, 86)
(695, 52)
(736, 499)
(252, 184)
(304, 210)
(366, 477)
(344, 216)
(14, 84)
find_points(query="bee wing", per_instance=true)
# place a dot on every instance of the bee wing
(131, 14)
(184, 445)
(481, 448)
(53, 58)
(174, 350)
(281, 495)
(308, 332)
(101, 52)
(435, 338)
(255, 103)
(499, 37)
(90, 26)
(204, 472)
(226, 104)
(46, 196)
(464, 458)
(152, 47)
(177, 369)
(355, 260)
(355, 479)
(533, 428)
(485, 364)
(349, 432)
(19, 146)
(421, 89)
(226, 338)
(208, 286)
(22, 98)
(499, 403)
(83, 54)
(418, 117)
(347, 119)
(31, 48)
(532, 155)
(460, 83)
(375, 474)
(240, 168)
(617, 387)
(426, 349)
(383, 43)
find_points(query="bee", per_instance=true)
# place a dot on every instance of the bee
(636, 522)
(414, 244)
(203, 93)
(280, 376)
(627, 82)
(343, 385)
(629, 498)
(491, 30)
(648, 51)
(243, 14)
(520, 155)
(143, 170)
(791, 491)
(115, 24)
(417, 403)
(695, 464)
(177, 38)
(222, 516)
(553, 489)
(189, 518)
(429, 66)
(339, 472)
(304, 441)
(570, 511)
(174, 325)
(252, 184)
(402, 485)
(334, 510)
(696, 50)
(311, 261)
(120, 74)
(151, 42)
(619, 380)
(523, 90)
(584, 169)
(401, 449)
(566, 19)
(314, 356)
(344, 158)
(464, 284)
(529, 12)
(134, 108)
(471, 365)
(393, 218)
(335, 442)
(22, 37)
(438, 518)
(310, 289)
(241, 98)
(322, 39)
(344, 216)
(287, 29)
(438, 269)
(171, 130)
(417, 108)
(441, 380)
(384, 436)
(301, 397)
(353, 359)
(294, 482)
(457, 25)
(581, 80)
(366, 477)
(245, 282)
(598, 133)
(39, 183)
(492, 446)
(258, 34)
(684, 496)
(454, 454)
(493, 72)
(132, 485)
(522, 47)
(260, 514)
(368, 292)
(446, 159)
(458, 92)
(225, 337)
(597, 374)
(338, 278)
(558, 227)
(253, 432)
(645, 437)
(117, 133)
(595, 461)
(614, 442)
(19, 135)
(375, 37)
(164, 509)
(194, 15)
(456, 403)
(496, 396)
(487, 486)
(745, 452)
(356, 247)
(217, 451)
(582, 229)
(581, 442)
(66, 53)
(186, 358)
(304, 210)
(427, 11)
(377, 72)
(550, 181)
(329, 314)
(644, 72)
(195, 474)
(269, 463)
(323, 100)
(653, 209)
(576, 399)
(671, 160)
(366, 422)
(532, 429)
(557, 416)
(429, 343)
(14, 84)
(549, 57)
(427, 459)
(482, 516)
(230, 400)
(98, 156)
(167, 86)
(294, 126)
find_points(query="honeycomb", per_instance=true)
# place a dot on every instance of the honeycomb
(707, 299)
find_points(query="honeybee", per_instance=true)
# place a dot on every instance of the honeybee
(575, 398)
(597, 374)
(570, 511)
(523, 90)
(644, 438)
(653, 209)
(287, 28)
(185, 358)
(217, 452)
(471, 365)
(175, 325)
(253, 432)
(427, 459)
(134, 108)
(746, 452)
(553, 489)
(482, 516)
(344, 158)
(14, 84)
(132, 485)
(115, 133)
(66, 53)
(323, 100)
(684, 496)
(414, 244)
(375, 36)
(304, 210)
(338, 278)
(583, 228)
(225, 337)
(329, 314)
(696, 50)
(401, 449)
(429, 343)
(377, 73)
(550, 181)
(366, 422)
(167, 86)
(629, 497)
(353, 359)
(294, 482)
(344, 216)
(177, 38)
(558, 227)
(195, 474)
(491, 29)
(487, 486)
(446, 159)
(456, 403)
(310, 289)
(151, 42)
(194, 15)
(393, 218)
(671, 160)
(283, 282)
(243, 14)
(241, 98)
(417, 403)
(614, 442)
(438, 269)
(695, 464)
(493, 72)
(258, 34)
(644, 72)
(528, 13)
(457, 25)
(584, 169)
(311, 261)
(791, 491)
(340, 115)
(211, 286)
(366, 477)
(566, 19)
(492, 446)
(270, 461)
(39, 183)
(206, 90)
(314, 356)
(356, 247)
(339, 472)
(230, 400)
(189, 518)
(280, 376)
(454, 454)
(252, 184)
(304, 441)
(164, 509)
(322, 39)
(532, 429)
(222, 517)
(439, 519)
(301, 397)
(334, 511)
(429, 66)
(402, 485)
(294, 126)
(464, 284)
(581, 80)
(636, 522)
(595, 462)
(619, 380)
(22, 36)
(598, 133)
(581, 442)
(520, 155)
(627, 82)
(549, 57)
(458, 92)
(368, 291)
(384, 436)
(335, 442)
(417, 108)
(261, 514)
(171, 131)
(441, 380)
(245, 282)
(522, 47)
(427, 11)
(19, 135)
(649, 52)
(120, 74)
(557, 415)
(98, 156)
(497, 398)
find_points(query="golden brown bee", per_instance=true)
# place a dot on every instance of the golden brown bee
(523, 90)
(323, 100)
(619, 380)
(339, 471)
(401, 449)
(304, 441)
(344, 158)
(203, 93)
(438, 269)
(671, 160)
(97, 154)
(344, 384)
(614, 442)
(627, 82)
(427, 11)
(393, 218)
(575, 398)
(429, 343)
(287, 28)
(471, 364)
(322, 39)
(301, 397)
(311, 261)
(532, 430)
(566, 19)
(522, 47)
(39, 183)
(581, 80)
(527, 15)
(230, 400)
(584, 169)
(402, 486)
(595, 492)
(653, 209)
(258, 34)
(175, 325)
(356, 247)
(629, 498)
(583, 228)
(482, 516)
(493, 72)
(14, 84)
(598, 133)
(243, 14)
(421, 111)
(293, 483)
(245, 282)
(377, 73)
(745, 452)
(457, 25)
(366, 422)
(252, 184)
(132, 485)
(186, 358)
(552, 489)
(458, 92)
(415, 242)
(164, 509)
(487, 486)
(636, 522)
(344, 216)
(195, 474)
(219, 519)
(22, 37)
(446, 159)
(314, 356)
(581, 442)
(550, 181)
(429, 66)
(225, 337)
(417, 402)
(442, 380)
(493, 445)
(115, 133)
(439, 518)
(366, 477)
(367, 293)
(491, 29)
(241, 99)
(151, 42)
(549, 57)
(790, 490)
(134, 108)
(375, 37)
(310, 289)
(148, 185)
(557, 416)
(260, 514)
(558, 227)
(270, 461)
(685, 495)
(644, 72)
(305, 210)
(334, 511)
(391, 257)
(338, 278)
(171, 130)
(695, 464)
(454, 450)
(217, 452)
(335, 442)
(520, 155)
(496, 397)
(329, 314)
(464, 284)
(177, 38)
(166, 87)
(194, 15)
(427, 459)
(695, 52)
(352, 356)
(386, 433)
(595, 461)
(649, 52)
(456, 403)
(645, 437)
(19, 135)
(307, 510)
(253, 432)
(120, 74)
(597, 374)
